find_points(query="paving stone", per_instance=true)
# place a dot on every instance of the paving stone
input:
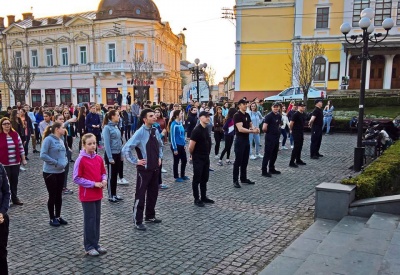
(260, 220)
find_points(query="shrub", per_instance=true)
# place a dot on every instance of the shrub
(380, 177)
(354, 102)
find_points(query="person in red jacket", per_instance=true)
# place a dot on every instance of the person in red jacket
(90, 175)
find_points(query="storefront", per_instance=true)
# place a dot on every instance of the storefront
(83, 95)
(36, 95)
(19, 96)
(65, 96)
(50, 97)
(111, 95)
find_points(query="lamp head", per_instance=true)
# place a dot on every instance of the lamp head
(345, 28)
(197, 61)
(364, 23)
(368, 12)
(371, 28)
(205, 65)
(388, 23)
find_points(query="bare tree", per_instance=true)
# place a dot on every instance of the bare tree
(142, 75)
(209, 77)
(17, 76)
(301, 67)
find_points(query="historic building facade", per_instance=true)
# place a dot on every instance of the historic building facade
(267, 33)
(88, 57)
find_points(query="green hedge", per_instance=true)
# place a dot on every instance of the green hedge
(379, 178)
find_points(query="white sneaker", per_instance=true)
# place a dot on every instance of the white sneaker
(259, 156)
(291, 146)
(163, 170)
(284, 148)
(124, 181)
(118, 181)
(216, 157)
(22, 168)
(252, 157)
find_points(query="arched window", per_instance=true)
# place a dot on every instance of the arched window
(320, 66)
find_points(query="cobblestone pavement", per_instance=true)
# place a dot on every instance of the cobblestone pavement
(240, 234)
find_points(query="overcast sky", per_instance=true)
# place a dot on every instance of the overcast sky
(208, 36)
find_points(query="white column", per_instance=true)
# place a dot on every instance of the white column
(387, 79)
(124, 88)
(368, 77)
(98, 90)
(74, 96)
(156, 97)
(58, 96)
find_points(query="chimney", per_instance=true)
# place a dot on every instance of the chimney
(36, 23)
(51, 21)
(11, 19)
(27, 15)
(65, 19)
(1, 22)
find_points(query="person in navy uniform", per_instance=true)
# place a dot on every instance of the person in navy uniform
(296, 127)
(316, 123)
(272, 130)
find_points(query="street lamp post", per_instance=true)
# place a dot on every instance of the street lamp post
(367, 29)
(196, 70)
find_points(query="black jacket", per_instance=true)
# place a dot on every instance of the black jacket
(191, 122)
(5, 191)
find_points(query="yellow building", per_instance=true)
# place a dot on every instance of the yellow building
(267, 33)
(88, 57)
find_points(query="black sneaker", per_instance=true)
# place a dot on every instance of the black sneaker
(294, 165)
(62, 221)
(54, 222)
(248, 181)
(319, 155)
(314, 157)
(113, 200)
(207, 200)
(141, 227)
(236, 184)
(26, 158)
(152, 220)
(35, 151)
(199, 203)
(266, 174)
(301, 162)
(275, 172)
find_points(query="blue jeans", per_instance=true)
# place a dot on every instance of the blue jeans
(134, 124)
(284, 134)
(327, 122)
(256, 138)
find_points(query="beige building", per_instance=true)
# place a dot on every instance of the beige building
(88, 57)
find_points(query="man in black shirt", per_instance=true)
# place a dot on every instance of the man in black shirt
(199, 148)
(315, 124)
(272, 130)
(297, 131)
(243, 127)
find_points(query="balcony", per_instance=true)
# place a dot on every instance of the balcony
(124, 67)
(73, 68)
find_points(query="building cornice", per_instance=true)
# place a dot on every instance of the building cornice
(263, 5)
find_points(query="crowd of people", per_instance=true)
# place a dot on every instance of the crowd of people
(146, 131)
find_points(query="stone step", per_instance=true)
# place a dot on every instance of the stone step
(355, 245)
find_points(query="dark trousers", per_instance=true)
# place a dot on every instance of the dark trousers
(201, 165)
(69, 156)
(70, 141)
(228, 146)
(112, 173)
(270, 152)
(316, 139)
(218, 137)
(91, 224)
(121, 170)
(127, 132)
(298, 139)
(181, 156)
(242, 151)
(12, 174)
(146, 189)
(4, 230)
(54, 184)
(26, 144)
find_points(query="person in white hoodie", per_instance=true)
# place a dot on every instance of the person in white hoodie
(284, 127)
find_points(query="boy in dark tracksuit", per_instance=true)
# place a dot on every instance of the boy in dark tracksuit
(148, 146)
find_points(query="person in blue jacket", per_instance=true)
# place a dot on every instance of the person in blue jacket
(178, 144)
(93, 124)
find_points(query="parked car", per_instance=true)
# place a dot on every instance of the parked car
(296, 93)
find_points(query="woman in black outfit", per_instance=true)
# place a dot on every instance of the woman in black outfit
(218, 131)
(191, 121)
(81, 124)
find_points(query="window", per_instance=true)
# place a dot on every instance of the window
(34, 58)
(18, 58)
(82, 55)
(65, 96)
(139, 51)
(36, 98)
(320, 65)
(398, 14)
(358, 7)
(64, 56)
(49, 57)
(322, 18)
(383, 9)
(111, 53)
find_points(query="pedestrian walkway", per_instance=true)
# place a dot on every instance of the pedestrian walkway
(354, 245)
(240, 234)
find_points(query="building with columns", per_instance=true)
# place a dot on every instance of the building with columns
(88, 57)
(262, 53)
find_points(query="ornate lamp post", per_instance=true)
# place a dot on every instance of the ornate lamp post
(362, 40)
(196, 70)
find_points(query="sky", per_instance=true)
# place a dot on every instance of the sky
(208, 37)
